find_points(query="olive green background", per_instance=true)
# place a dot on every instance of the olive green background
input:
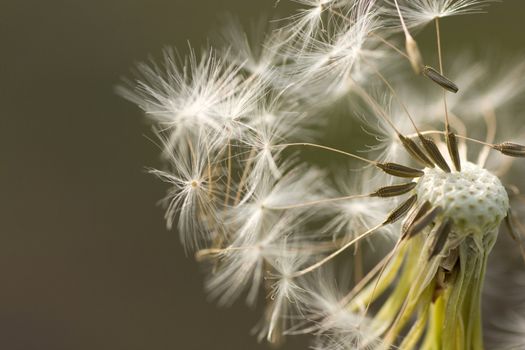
(85, 260)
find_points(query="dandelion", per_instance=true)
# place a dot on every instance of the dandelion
(388, 245)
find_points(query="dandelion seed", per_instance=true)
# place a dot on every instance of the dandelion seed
(511, 149)
(439, 79)
(413, 217)
(394, 190)
(333, 62)
(401, 210)
(256, 51)
(191, 194)
(421, 12)
(184, 97)
(434, 153)
(423, 221)
(347, 218)
(399, 170)
(286, 294)
(307, 21)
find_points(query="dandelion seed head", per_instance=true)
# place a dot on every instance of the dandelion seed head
(234, 123)
(474, 198)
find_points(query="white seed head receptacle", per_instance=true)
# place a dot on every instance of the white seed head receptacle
(474, 198)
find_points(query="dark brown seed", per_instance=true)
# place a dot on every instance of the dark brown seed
(423, 222)
(510, 149)
(394, 190)
(416, 152)
(440, 79)
(400, 170)
(400, 211)
(453, 150)
(434, 153)
(413, 216)
(440, 237)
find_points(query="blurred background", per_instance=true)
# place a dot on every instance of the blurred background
(85, 259)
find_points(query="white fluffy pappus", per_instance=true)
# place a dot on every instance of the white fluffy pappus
(351, 217)
(275, 123)
(186, 96)
(420, 12)
(286, 294)
(255, 50)
(339, 57)
(336, 327)
(244, 263)
(308, 21)
(191, 194)
(270, 197)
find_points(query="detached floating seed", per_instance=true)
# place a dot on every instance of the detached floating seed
(440, 79)
(510, 149)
